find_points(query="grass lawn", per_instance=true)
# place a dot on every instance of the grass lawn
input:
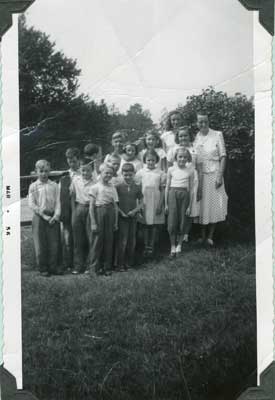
(167, 330)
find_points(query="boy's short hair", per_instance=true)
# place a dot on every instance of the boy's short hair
(106, 166)
(90, 149)
(183, 150)
(72, 152)
(116, 135)
(114, 157)
(86, 162)
(128, 167)
(130, 144)
(42, 163)
(184, 128)
(150, 153)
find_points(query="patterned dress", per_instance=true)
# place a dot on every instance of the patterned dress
(152, 181)
(210, 149)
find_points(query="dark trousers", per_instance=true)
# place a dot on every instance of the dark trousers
(126, 241)
(103, 239)
(67, 244)
(82, 234)
(46, 244)
(178, 202)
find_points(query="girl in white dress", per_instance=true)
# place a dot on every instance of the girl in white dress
(174, 121)
(210, 148)
(152, 182)
(151, 143)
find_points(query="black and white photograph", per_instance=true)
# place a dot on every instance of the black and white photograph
(137, 192)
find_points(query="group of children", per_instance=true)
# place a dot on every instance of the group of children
(97, 207)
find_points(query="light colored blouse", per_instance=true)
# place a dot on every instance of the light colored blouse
(168, 140)
(210, 149)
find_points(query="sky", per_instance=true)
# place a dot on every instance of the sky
(154, 52)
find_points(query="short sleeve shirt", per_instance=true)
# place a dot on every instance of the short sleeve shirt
(128, 196)
(80, 187)
(103, 194)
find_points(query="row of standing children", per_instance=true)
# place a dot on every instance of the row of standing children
(93, 203)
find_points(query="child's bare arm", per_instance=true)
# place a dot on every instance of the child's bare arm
(94, 226)
(116, 216)
(167, 188)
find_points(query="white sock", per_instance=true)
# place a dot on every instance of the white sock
(173, 249)
(178, 248)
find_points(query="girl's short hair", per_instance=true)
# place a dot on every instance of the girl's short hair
(42, 163)
(183, 150)
(169, 126)
(130, 144)
(181, 128)
(90, 149)
(128, 167)
(72, 152)
(152, 132)
(152, 153)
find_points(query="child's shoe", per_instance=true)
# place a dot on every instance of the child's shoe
(173, 252)
(178, 249)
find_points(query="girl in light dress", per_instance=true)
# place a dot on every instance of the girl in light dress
(130, 155)
(183, 140)
(152, 143)
(152, 182)
(179, 197)
(174, 121)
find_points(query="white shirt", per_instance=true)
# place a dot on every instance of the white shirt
(44, 197)
(180, 176)
(80, 187)
(103, 194)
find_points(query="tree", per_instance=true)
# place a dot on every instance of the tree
(135, 122)
(48, 79)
